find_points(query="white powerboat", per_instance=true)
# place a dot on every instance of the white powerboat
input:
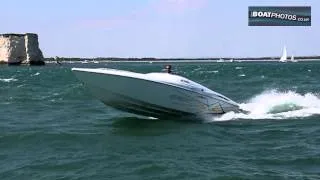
(292, 59)
(156, 94)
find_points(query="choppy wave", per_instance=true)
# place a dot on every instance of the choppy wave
(36, 74)
(8, 79)
(277, 105)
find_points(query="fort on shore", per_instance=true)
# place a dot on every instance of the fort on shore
(18, 49)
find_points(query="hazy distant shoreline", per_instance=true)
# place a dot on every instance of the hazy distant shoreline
(151, 59)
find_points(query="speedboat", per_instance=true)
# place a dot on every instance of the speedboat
(157, 94)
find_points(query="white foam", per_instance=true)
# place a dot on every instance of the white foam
(8, 79)
(36, 74)
(215, 71)
(277, 105)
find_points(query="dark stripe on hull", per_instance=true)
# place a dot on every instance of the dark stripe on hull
(132, 105)
(143, 112)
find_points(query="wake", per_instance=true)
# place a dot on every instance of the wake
(277, 105)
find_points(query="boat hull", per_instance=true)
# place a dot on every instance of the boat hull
(150, 98)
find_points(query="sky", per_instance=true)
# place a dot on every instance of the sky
(157, 28)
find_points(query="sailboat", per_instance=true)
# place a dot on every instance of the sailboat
(284, 55)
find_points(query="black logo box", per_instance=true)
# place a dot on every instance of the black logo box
(279, 15)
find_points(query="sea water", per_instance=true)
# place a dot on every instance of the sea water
(51, 127)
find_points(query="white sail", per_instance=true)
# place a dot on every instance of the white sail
(284, 55)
